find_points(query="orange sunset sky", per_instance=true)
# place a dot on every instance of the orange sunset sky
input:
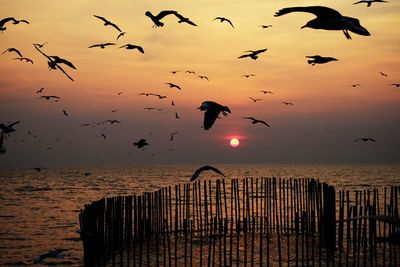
(327, 115)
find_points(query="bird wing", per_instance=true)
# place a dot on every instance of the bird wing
(140, 49)
(102, 18)
(115, 26)
(230, 22)
(4, 21)
(243, 56)
(164, 13)
(40, 51)
(319, 11)
(263, 122)
(210, 116)
(204, 168)
(215, 170)
(220, 18)
(14, 123)
(63, 71)
(249, 118)
(359, 2)
(16, 51)
(110, 44)
(2, 126)
(260, 51)
(61, 60)
(95, 45)
(24, 21)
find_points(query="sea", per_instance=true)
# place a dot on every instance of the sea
(39, 209)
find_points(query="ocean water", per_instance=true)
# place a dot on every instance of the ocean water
(39, 210)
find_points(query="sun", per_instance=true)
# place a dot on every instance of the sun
(234, 142)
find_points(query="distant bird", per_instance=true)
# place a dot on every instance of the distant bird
(28, 60)
(172, 85)
(114, 110)
(15, 21)
(40, 90)
(48, 97)
(364, 139)
(56, 253)
(253, 53)
(131, 46)
(255, 99)
(160, 96)
(9, 128)
(120, 35)
(356, 84)
(151, 108)
(255, 121)
(65, 113)
(177, 116)
(317, 59)
(190, 72)
(120, 93)
(183, 19)
(157, 19)
(222, 19)
(103, 135)
(265, 26)
(203, 77)
(12, 49)
(85, 124)
(383, 74)
(172, 103)
(328, 19)
(287, 103)
(40, 45)
(141, 143)
(174, 71)
(146, 94)
(396, 84)
(267, 92)
(172, 136)
(112, 121)
(108, 23)
(212, 111)
(102, 46)
(248, 75)
(205, 168)
(369, 2)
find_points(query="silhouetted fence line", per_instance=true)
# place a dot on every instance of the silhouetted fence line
(249, 222)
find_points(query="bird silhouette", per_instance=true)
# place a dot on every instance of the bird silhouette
(203, 77)
(160, 96)
(177, 116)
(255, 99)
(267, 92)
(40, 45)
(120, 35)
(151, 108)
(114, 110)
(65, 113)
(383, 74)
(255, 121)
(183, 19)
(9, 128)
(40, 90)
(157, 19)
(356, 85)
(205, 168)
(108, 23)
(190, 72)
(24, 59)
(112, 121)
(172, 85)
(103, 135)
(396, 84)
(48, 97)
(364, 139)
(12, 49)
(146, 94)
(287, 103)
(174, 71)
(253, 53)
(369, 2)
(120, 93)
(102, 46)
(328, 19)
(248, 75)
(131, 46)
(171, 138)
(56, 253)
(317, 59)
(265, 26)
(212, 111)
(172, 103)
(141, 143)
(222, 19)
(9, 19)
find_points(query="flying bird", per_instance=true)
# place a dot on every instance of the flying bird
(267, 92)
(396, 84)
(369, 2)
(151, 108)
(40, 45)
(102, 46)
(108, 23)
(222, 19)
(172, 85)
(12, 49)
(172, 103)
(159, 96)
(183, 19)
(317, 59)
(212, 111)
(255, 121)
(172, 136)
(253, 53)
(7, 129)
(328, 19)
(157, 19)
(112, 121)
(146, 94)
(40, 90)
(383, 74)
(141, 143)
(24, 59)
(103, 135)
(265, 26)
(255, 99)
(205, 168)
(287, 103)
(56, 253)
(248, 75)
(120, 93)
(177, 116)
(120, 35)
(364, 139)
(131, 46)
(174, 71)
(15, 21)
(356, 84)
(190, 72)
(65, 113)
(203, 77)
(48, 97)
(114, 110)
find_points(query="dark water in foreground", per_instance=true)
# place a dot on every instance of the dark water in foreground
(39, 210)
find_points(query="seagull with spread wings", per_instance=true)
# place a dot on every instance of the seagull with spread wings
(9, 128)
(12, 49)
(328, 19)
(267, 92)
(205, 168)
(131, 46)
(212, 111)
(255, 121)
(15, 22)
(364, 139)
(255, 99)
(172, 85)
(317, 59)
(369, 2)
(108, 23)
(222, 19)
(102, 45)
(253, 54)
(27, 60)
(141, 143)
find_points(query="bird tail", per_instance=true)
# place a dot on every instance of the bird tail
(225, 111)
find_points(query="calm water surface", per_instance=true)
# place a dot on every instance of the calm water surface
(39, 210)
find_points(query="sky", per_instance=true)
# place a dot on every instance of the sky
(327, 114)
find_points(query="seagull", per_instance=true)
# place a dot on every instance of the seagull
(108, 23)
(222, 19)
(174, 71)
(157, 19)
(120, 93)
(254, 121)
(203, 77)
(255, 99)
(369, 2)
(121, 34)
(141, 143)
(171, 85)
(159, 96)
(177, 116)
(253, 53)
(112, 121)
(40, 45)
(205, 168)
(40, 90)
(114, 110)
(102, 46)
(23, 58)
(7, 129)
(146, 94)
(103, 135)
(151, 108)
(328, 19)
(396, 84)
(267, 92)
(287, 103)
(212, 111)
(15, 21)
(383, 74)
(183, 19)
(364, 139)
(48, 97)
(265, 26)
(248, 75)
(172, 136)
(56, 253)
(317, 59)
(190, 72)
(131, 46)
(356, 84)
(65, 113)
(12, 49)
